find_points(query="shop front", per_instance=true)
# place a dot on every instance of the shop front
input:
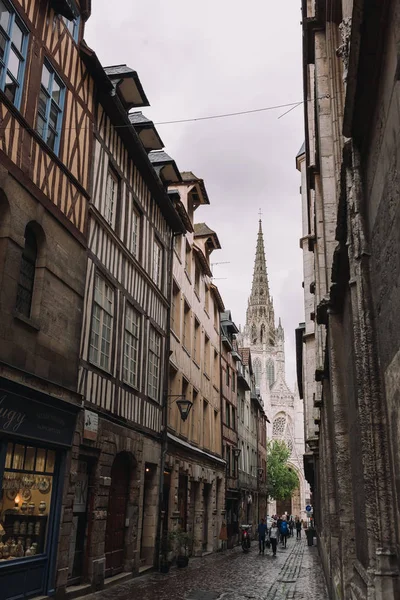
(36, 431)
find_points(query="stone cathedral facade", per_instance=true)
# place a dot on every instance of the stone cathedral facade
(283, 406)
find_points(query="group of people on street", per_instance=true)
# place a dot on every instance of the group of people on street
(281, 528)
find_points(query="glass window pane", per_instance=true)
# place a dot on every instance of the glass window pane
(42, 103)
(51, 458)
(10, 88)
(4, 16)
(30, 459)
(56, 91)
(45, 77)
(13, 63)
(40, 460)
(53, 116)
(17, 37)
(40, 126)
(25, 503)
(19, 453)
(10, 448)
(51, 138)
(3, 43)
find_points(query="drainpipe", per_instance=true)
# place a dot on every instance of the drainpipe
(164, 410)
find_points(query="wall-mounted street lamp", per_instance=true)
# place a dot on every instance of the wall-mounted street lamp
(184, 406)
(236, 452)
(260, 472)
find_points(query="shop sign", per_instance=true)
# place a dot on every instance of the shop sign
(28, 418)
(91, 425)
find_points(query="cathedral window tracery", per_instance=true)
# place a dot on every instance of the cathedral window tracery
(257, 371)
(282, 430)
(271, 372)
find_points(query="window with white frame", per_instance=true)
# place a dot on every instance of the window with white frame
(110, 202)
(131, 346)
(102, 321)
(154, 364)
(157, 263)
(135, 233)
(50, 107)
(13, 50)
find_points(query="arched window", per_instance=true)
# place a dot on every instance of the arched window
(27, 273)
(279, 426)
(253, 334)
(262, 333)
(271, 372)
(257, 371)
(282, 430)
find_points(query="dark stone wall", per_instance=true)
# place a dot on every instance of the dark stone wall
(47, 344)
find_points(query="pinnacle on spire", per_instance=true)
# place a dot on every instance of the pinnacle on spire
(260, 319)
(260, 287)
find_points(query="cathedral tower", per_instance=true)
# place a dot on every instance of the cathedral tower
(283, 407)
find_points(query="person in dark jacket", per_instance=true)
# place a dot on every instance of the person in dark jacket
(262, 531)
(298, 528)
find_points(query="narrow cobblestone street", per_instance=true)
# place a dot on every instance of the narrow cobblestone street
(294, 574)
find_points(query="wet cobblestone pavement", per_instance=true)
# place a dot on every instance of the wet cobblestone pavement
(295, 574)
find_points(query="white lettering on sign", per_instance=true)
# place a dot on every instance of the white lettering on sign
(12, 419)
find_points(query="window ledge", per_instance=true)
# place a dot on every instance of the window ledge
(131, 386)
(27, 320)
(176, 336)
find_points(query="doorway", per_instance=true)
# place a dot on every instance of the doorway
(116, 515)
(206, 503)
(78, 538)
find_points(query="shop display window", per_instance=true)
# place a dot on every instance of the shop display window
(25, 500)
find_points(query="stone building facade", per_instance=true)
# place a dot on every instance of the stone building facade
(283, 407)
(229, 407)
(45, 90)
(351, 208)
(252, 442)
(194, 477)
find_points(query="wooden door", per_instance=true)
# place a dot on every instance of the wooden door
(115, 528)
(283, 506)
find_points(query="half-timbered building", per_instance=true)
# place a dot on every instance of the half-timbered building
(117, 449)
(46, 100)
(194, 476)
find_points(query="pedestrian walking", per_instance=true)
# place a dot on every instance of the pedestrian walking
(262, 530)
(298, 528)
(284, 532)
(273, 537)
(291, 525)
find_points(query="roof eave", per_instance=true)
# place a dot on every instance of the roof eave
(119, 116)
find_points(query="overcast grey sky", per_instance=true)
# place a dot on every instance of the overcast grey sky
(211, 57)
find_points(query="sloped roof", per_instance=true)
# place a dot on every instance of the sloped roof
(202, 230)
(138, 118)
(158, 157)
(115, 70)
(302, 150)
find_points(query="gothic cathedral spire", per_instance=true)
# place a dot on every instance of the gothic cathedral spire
(260, 318)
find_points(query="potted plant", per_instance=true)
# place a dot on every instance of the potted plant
(182, 541)
(165, 550)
